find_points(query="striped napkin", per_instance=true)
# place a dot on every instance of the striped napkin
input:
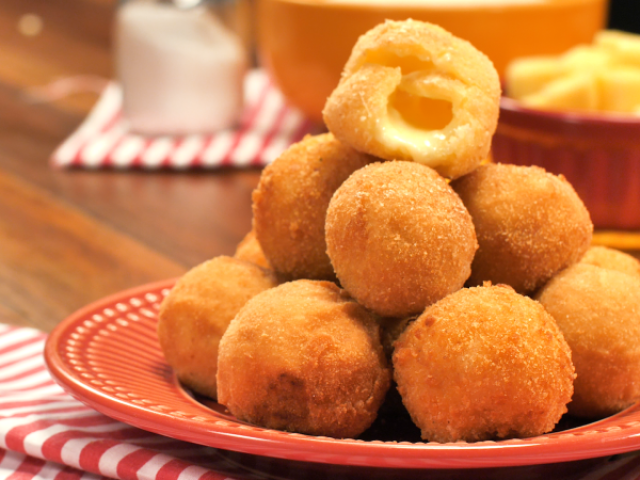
(267, 127)
(47, 435)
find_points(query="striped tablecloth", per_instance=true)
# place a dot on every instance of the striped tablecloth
(47, 435)
(268, 126)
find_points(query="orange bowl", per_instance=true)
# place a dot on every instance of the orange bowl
(599, 154)
(305, 43)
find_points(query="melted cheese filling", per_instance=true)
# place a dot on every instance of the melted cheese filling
(419, 110)
(415, 121)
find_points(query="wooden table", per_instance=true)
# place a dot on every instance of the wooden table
(68, 238)
(71, 237)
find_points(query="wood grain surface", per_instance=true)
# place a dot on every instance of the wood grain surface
(71, 237)
(68, 238)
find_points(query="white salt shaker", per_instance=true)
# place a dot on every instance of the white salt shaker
(181, 68)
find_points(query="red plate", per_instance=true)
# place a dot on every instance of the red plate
(107, 356)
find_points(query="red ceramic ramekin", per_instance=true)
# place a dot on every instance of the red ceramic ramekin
(599, 154)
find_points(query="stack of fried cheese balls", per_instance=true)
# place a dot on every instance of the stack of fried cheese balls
(390, 230)
(197, 312)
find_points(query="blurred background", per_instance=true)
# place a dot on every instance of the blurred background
(42, 40)
(70, 236)
(625, 15)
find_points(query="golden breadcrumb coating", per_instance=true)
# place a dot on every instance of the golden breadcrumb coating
(612, 259)
(598, 311)
(399, 238)
(530, 224)
(249, 250)
(304, 357)
(198, 310)
(290, 203)
(391, 329)
(412, 91)
(484, 363)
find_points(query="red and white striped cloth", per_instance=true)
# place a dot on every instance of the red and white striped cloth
(267, 127)
(47, 435)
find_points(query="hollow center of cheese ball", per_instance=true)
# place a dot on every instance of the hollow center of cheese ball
(422, 111)
(419, 113)
(413, 114)
(407, 63)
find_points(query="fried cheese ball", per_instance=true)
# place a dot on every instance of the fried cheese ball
(290, 203)
(598, 311)
(391, 329)
(484, 363)
(249, 249)
(612, 259)
(530, 224)
(198, 310)
(399, 238)
(304, 357)
(412, 91)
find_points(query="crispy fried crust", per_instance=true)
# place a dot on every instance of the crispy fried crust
(290, 203)
(399, 238)
(304, 357)
(612, 259)
(416, 61)
(598, 311)
(530, 224)
(484, 363)
(391, 329)
(249, 250)
(198, 310)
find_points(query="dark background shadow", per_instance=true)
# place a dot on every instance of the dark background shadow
(625, 15)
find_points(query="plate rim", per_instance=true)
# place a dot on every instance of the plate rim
(570, 445)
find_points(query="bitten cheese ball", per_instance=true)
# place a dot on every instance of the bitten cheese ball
(412, 91)
(484, 363)
(198, 310)
(598, 311)
(530, 224)
(399, 238)
(290, 203)
(304, 357)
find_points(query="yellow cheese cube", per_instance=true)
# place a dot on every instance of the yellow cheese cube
(528, 75)
(620, 89)
(604, 76)
(585, 58)
(623, 47)
(574, 92)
